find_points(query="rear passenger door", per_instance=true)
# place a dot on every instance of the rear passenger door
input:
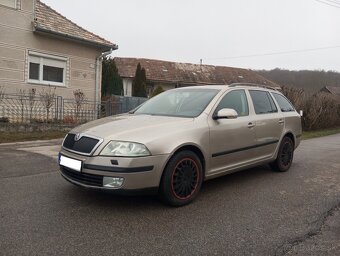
(269, 123)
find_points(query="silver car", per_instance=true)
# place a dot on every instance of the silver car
(176, 140)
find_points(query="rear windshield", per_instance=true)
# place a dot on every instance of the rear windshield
(178, 103)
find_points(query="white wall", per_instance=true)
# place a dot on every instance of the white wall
(17, 38)
(127, 85)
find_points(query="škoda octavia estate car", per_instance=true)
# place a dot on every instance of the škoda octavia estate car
(178, 139)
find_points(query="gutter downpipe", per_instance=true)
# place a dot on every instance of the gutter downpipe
(99, 59)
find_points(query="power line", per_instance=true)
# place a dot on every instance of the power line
(333, 1)
(327, 3)
(275, 53)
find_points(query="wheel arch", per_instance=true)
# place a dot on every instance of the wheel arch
(190, 147)
(290, 135)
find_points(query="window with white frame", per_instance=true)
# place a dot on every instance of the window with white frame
(46, 69)
(9, 3)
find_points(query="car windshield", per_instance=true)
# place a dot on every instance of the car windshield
(178, 103)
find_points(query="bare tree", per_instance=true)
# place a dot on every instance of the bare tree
(48, 98)
(2, 93)
(79, 98)
(22, 98)
(31, 101)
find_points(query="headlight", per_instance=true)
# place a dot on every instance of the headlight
(123, 148)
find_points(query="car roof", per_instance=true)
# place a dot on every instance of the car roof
(235, 85)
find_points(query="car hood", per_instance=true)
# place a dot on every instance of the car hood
(137, 128)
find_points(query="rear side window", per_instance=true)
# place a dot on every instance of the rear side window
(236, 100)
(284, 104)
(263, 102)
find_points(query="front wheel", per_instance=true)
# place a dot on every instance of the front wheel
(285, 155)
(182, 179)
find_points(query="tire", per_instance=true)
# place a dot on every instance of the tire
(182, 179)
(285, 156)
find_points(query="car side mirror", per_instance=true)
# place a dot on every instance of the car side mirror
(301, 112)
(225, 113)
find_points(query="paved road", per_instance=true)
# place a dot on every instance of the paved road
(254, 212)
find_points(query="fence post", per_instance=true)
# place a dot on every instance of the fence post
(109, 107)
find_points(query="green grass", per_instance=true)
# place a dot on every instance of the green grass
(320, 133)
(6, 137)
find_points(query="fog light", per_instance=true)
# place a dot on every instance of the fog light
(113, 182)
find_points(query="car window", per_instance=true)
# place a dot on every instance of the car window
(284, 104)
(272, 103)
(263, 102)
(236, 100)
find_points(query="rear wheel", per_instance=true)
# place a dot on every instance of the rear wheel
(285, 156)
(182, 179)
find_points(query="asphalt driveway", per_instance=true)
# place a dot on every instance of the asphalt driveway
(254, 212)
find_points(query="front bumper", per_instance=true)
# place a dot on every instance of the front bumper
(137, 173)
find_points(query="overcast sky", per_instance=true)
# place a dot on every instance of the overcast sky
(216, 31)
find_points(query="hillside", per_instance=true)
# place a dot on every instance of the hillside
(310, 81)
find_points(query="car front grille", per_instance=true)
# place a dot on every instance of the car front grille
(84, 145)
(83, 178)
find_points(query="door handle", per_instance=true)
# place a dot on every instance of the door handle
(281, 121)
(251, 125)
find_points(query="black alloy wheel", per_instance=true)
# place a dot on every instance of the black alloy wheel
(285, 155)
(182, 179)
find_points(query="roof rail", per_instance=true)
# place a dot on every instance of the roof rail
(256, 85)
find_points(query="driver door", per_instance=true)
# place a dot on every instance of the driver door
(232, 140)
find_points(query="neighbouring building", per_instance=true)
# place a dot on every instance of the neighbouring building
(39, 48)
(172, 74)
(334, 90)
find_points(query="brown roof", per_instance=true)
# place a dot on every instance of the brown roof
(174, 72)
(49, 21)
(331, 89)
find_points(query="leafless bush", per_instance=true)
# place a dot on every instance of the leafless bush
(79, 98)
(48, 98)
(321, 110)
(297, 96)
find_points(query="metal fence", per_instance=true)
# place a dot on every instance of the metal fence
(125, 104)
(15, 108)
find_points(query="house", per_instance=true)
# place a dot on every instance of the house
(334, 90)
(172, 74)
(40, 48)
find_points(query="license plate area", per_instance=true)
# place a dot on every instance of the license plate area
(70, 163)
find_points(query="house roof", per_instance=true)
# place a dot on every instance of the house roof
(331, 89)
(174, 72)
(49, 21)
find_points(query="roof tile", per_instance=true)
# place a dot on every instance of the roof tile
(48, 20)
(335, 90)
(159, 70)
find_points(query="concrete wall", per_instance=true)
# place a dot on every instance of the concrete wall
(17, 39)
